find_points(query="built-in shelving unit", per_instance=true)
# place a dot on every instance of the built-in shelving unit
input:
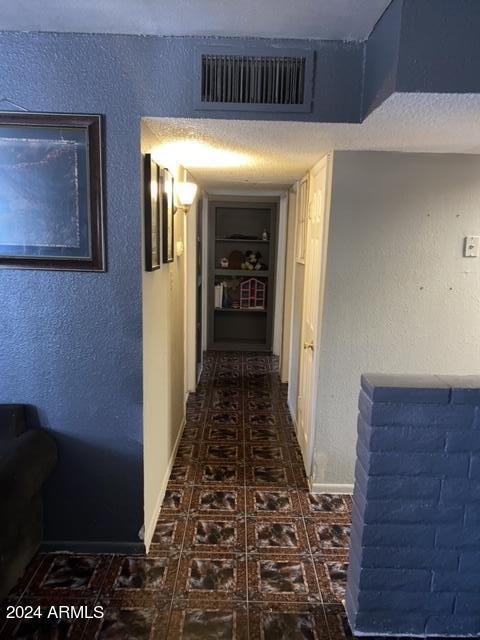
(240, 317)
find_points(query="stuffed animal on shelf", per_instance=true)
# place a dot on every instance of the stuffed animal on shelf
(252, 261)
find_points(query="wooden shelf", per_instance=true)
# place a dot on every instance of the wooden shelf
(230, 310)
(257, 241)
(242, 272)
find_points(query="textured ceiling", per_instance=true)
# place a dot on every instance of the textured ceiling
(322, 19)
(253, 153)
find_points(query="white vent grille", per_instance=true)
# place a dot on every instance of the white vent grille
(255, 81)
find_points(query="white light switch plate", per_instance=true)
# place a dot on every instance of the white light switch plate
(472, 247)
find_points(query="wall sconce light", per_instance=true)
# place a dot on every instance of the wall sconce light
(185, 192)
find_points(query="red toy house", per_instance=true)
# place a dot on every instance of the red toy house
(252, 294)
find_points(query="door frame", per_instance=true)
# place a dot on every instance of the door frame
(326, 160)
(190, 301)
(199, 289)
(280, 197)
(248, 202)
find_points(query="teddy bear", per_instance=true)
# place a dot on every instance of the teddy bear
(253, 261)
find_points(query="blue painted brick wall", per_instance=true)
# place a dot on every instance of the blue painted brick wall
(415, 539)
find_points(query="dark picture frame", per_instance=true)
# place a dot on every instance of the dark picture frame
(51, 196)
(152, 213)
(167, 215)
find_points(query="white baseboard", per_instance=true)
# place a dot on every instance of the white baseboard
(150, 530)
(319, 487)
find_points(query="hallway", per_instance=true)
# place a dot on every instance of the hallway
(241, 548)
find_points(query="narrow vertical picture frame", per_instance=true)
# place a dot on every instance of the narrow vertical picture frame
(152, 214)
(167, 215)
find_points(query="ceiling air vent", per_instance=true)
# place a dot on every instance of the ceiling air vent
(258, 80)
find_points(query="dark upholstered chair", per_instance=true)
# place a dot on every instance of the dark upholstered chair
(26, 459)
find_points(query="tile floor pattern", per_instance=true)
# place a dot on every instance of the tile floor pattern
(241, 549)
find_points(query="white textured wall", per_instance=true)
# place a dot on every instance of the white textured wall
(163, 364)
(399, 295)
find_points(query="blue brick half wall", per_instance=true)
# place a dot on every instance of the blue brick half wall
(414, 566)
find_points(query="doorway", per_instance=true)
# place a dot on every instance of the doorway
(234, 233)
(314, 282)
(242, 251)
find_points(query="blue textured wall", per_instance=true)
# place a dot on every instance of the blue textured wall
(381, 58)
(423, 46)
(71, 343)
(152, 76)
(440, 46)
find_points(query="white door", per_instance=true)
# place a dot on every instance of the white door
(315, 261)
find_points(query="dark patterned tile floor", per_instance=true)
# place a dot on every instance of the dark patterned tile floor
(241, 550)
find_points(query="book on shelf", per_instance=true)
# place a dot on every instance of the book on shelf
(218, 296)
